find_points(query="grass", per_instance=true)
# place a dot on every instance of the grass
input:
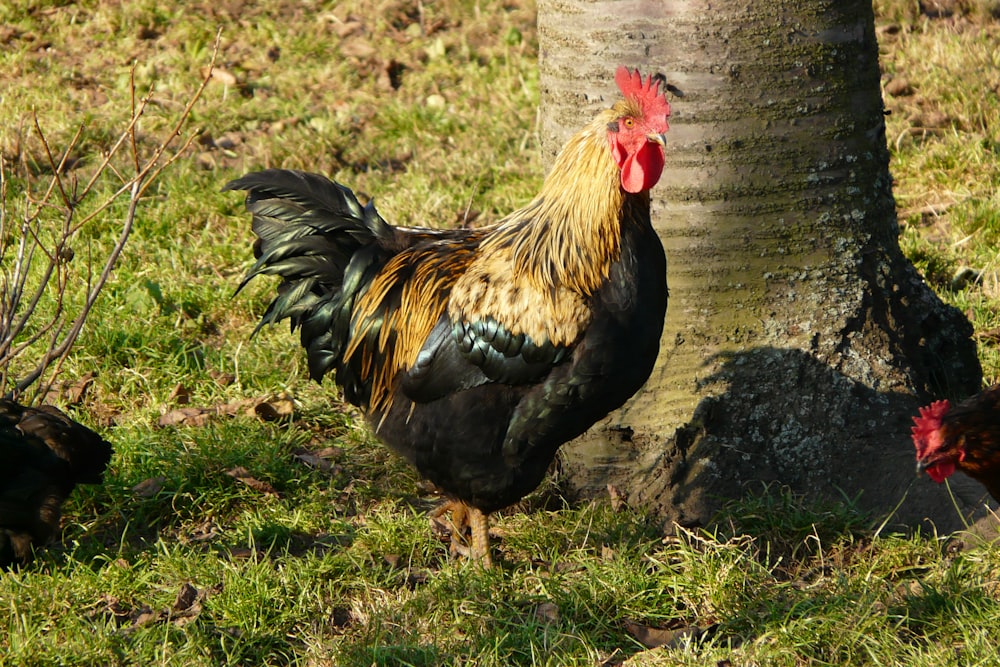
(318, 551)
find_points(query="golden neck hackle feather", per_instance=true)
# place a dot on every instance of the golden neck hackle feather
(533, 271)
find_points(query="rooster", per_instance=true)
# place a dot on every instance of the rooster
(964, 437)
(44, 455)
(476, 353)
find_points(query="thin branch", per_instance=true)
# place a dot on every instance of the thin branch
(61, 349)
(61, 334)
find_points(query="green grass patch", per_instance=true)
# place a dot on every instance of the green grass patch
(233, 540)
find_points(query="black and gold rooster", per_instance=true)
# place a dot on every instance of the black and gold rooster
(475, 354)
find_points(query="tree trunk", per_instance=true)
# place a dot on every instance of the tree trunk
(799, 340)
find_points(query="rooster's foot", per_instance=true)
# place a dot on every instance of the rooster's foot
(469, 529)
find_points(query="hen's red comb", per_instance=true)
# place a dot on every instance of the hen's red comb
(928, 422)
(647, 92)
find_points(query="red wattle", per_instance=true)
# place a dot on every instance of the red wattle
(940, 471)
(642, 169)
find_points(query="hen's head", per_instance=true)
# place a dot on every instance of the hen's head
(935, 455)
(636, 135)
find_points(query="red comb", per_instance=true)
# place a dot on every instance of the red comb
(928, 422)
(647, 92)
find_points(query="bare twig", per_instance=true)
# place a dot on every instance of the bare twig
(23, 285)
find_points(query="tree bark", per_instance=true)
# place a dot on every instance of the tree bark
(799, 340)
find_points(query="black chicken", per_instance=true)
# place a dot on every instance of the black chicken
(43, 455)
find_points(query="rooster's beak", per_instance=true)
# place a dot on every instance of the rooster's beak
(921, 466)
(657, 138)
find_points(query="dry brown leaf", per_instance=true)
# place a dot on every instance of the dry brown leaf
(222, 379)
(148, 488)
(314, 461)
(547, 612)
(184, 416)
(202, 532)
(186, 597)
(358, 48)
(187, 605)
(180, 394)
(898, 87)
(242, 553)
(199, 416)
(72, 394)
(651, 637)
(243, 475)
(348, 28)
(617, 499)
(144, 615)
(329, 452)
(237, 407)
(275, 410)
(111, 605)
(223, 76)
(76, 392)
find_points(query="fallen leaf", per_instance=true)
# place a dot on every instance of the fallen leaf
(898, 87)
(358, 48)
(243, 475)
(416, 578)
(314, 461)
(275, 410)
(282, 124)
(186, 606)
(617, 499)
(186, 597)
(72, 394)
(202, 532)
(242, 553)
(223, 76)
(227, 141)
(205, 160)
(239, 406)
(222, 379)
(348, 28)
(184, 416)
(76, 391)
(112, 606)
(199, 416)
(329, 452)
(145, 615)
(148, 488)
(651, 637)
(547, 612)
(180, 394)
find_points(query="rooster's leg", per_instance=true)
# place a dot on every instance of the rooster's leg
(455, 525)
(465, 519)
(479, 524)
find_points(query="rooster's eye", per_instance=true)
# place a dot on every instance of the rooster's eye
(629, 123)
